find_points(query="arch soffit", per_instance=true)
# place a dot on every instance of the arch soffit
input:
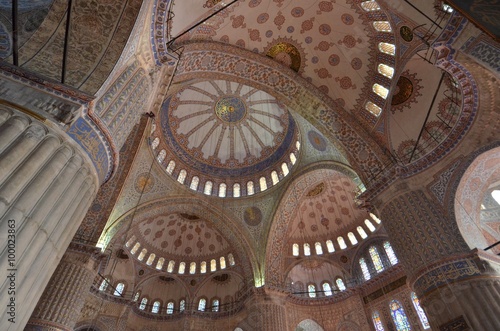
(182, 204)
(323, 258)
(209, 277)
(343, 130)
(152, 276)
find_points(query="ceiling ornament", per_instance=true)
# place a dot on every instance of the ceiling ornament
(286, 54)
(317, 190)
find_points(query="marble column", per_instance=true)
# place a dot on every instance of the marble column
(47, 183)
(457, 287)
(266, 311)
(62, 301)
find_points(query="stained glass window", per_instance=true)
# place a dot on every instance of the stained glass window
(387, 48)
(420, 311)
(208, 188)
(370, 5)
(274, 177)
(318, 248)
(171, 167)
(182, 305)
(104, 284)
(170, 308)
(327, 289)
(385, 70)
(390, 253)
(382, 26)
(399, 316)
(136, 296)
(201, 304)
(377, 322)
(161, 155)
(340, 284)
(215, 305)
(119, 289)
(379, 267)
(222, 190)
(194, 183)
(263, 184)
(295, 249)
(143, 304)
(311, 290)
(155, 143)
(236, 190)
(250, 190)
(364, 269)
(182, 176)
(231, 259)
(156, 307)
(329, 246)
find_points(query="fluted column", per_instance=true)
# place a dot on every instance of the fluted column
(47, 183)
(62, 301)
(456, 286)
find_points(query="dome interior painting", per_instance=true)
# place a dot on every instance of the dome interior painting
(266, 165)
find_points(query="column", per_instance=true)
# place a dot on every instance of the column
(62, 301)
(47, 182)
(457, 287)
(266, 311)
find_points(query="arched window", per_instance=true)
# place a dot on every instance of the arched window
(222, 261)
(369, 225)
(208, 188)
(155, 143)
(329, 246)
(159, 264)
(375, 218)
(380, 90)
(387, 48)
(135, 248)
(104, 284)
(390, 253)
(171, 167)
(130, 241)
(263, 184)
(352, 238)
(382, 26)
(307, 249)
(143, 304)
(156, 307)
(340, 284)
(182, 305)
(170, 307)
(385, 70)
(195, 181)
(311, 290)
(215, 305)
(318, 248)
(222, 190)
(142, 254)
(231, 259)
(295, 249)
(119, 289)
(297, 144)
(182, 176)
(203, 267)
(182, 267)
(327, 289)
(192, 268)
(274, 177)
(161, 155)
(377, 322)
(153, 127)
(236, 190)
(136, 296)
(151, 258)
(399, 316)
(370, 5)
(341, 242)
(379, 267)
(496, 196)
(213, 265)
(420, 311)
(284, 168)
(202, 304)
(373, 108)
(293, 158)
(171, 265)
(250, 190)
(364, 269)
(361, 232)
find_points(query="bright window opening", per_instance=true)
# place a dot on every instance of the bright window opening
(307, 249)
(170, 308)
(370, 5)
(390, 253)
(382, 26)
(361, 232)
(192, 268)
(311, 290)
(329, 246)
(318, 248)
(295, 249)
(250, 189)
(369, 225)
(387, 48)
(142, 254)
(159, 264)
(340, 284)
(222, 190)
(352, 238)
(236, 190)
(373, 108)
(135, 248)
(385, 70)
(182, 267)
(151, 258)
(421, 313)
(342, 243)
(231, 259)
(202, 304)
(182, 176)
(327, 289)
(364, 268)
(171, 167)
(222, 261)
(380, 90)
(156, 307)
(284, 168)
(377, 262)
(203, 267)
(208, 188)
(194, 183)
(171, 266)
(263, 184)
(293, 159)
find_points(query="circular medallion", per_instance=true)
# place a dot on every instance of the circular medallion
(406, 33)
(230, 109)
(317, 141)
(252, 216)
(144, 182)
(404, 89)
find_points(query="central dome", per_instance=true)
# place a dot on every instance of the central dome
(228, 132)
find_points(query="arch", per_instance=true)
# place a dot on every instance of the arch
(308, 325)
